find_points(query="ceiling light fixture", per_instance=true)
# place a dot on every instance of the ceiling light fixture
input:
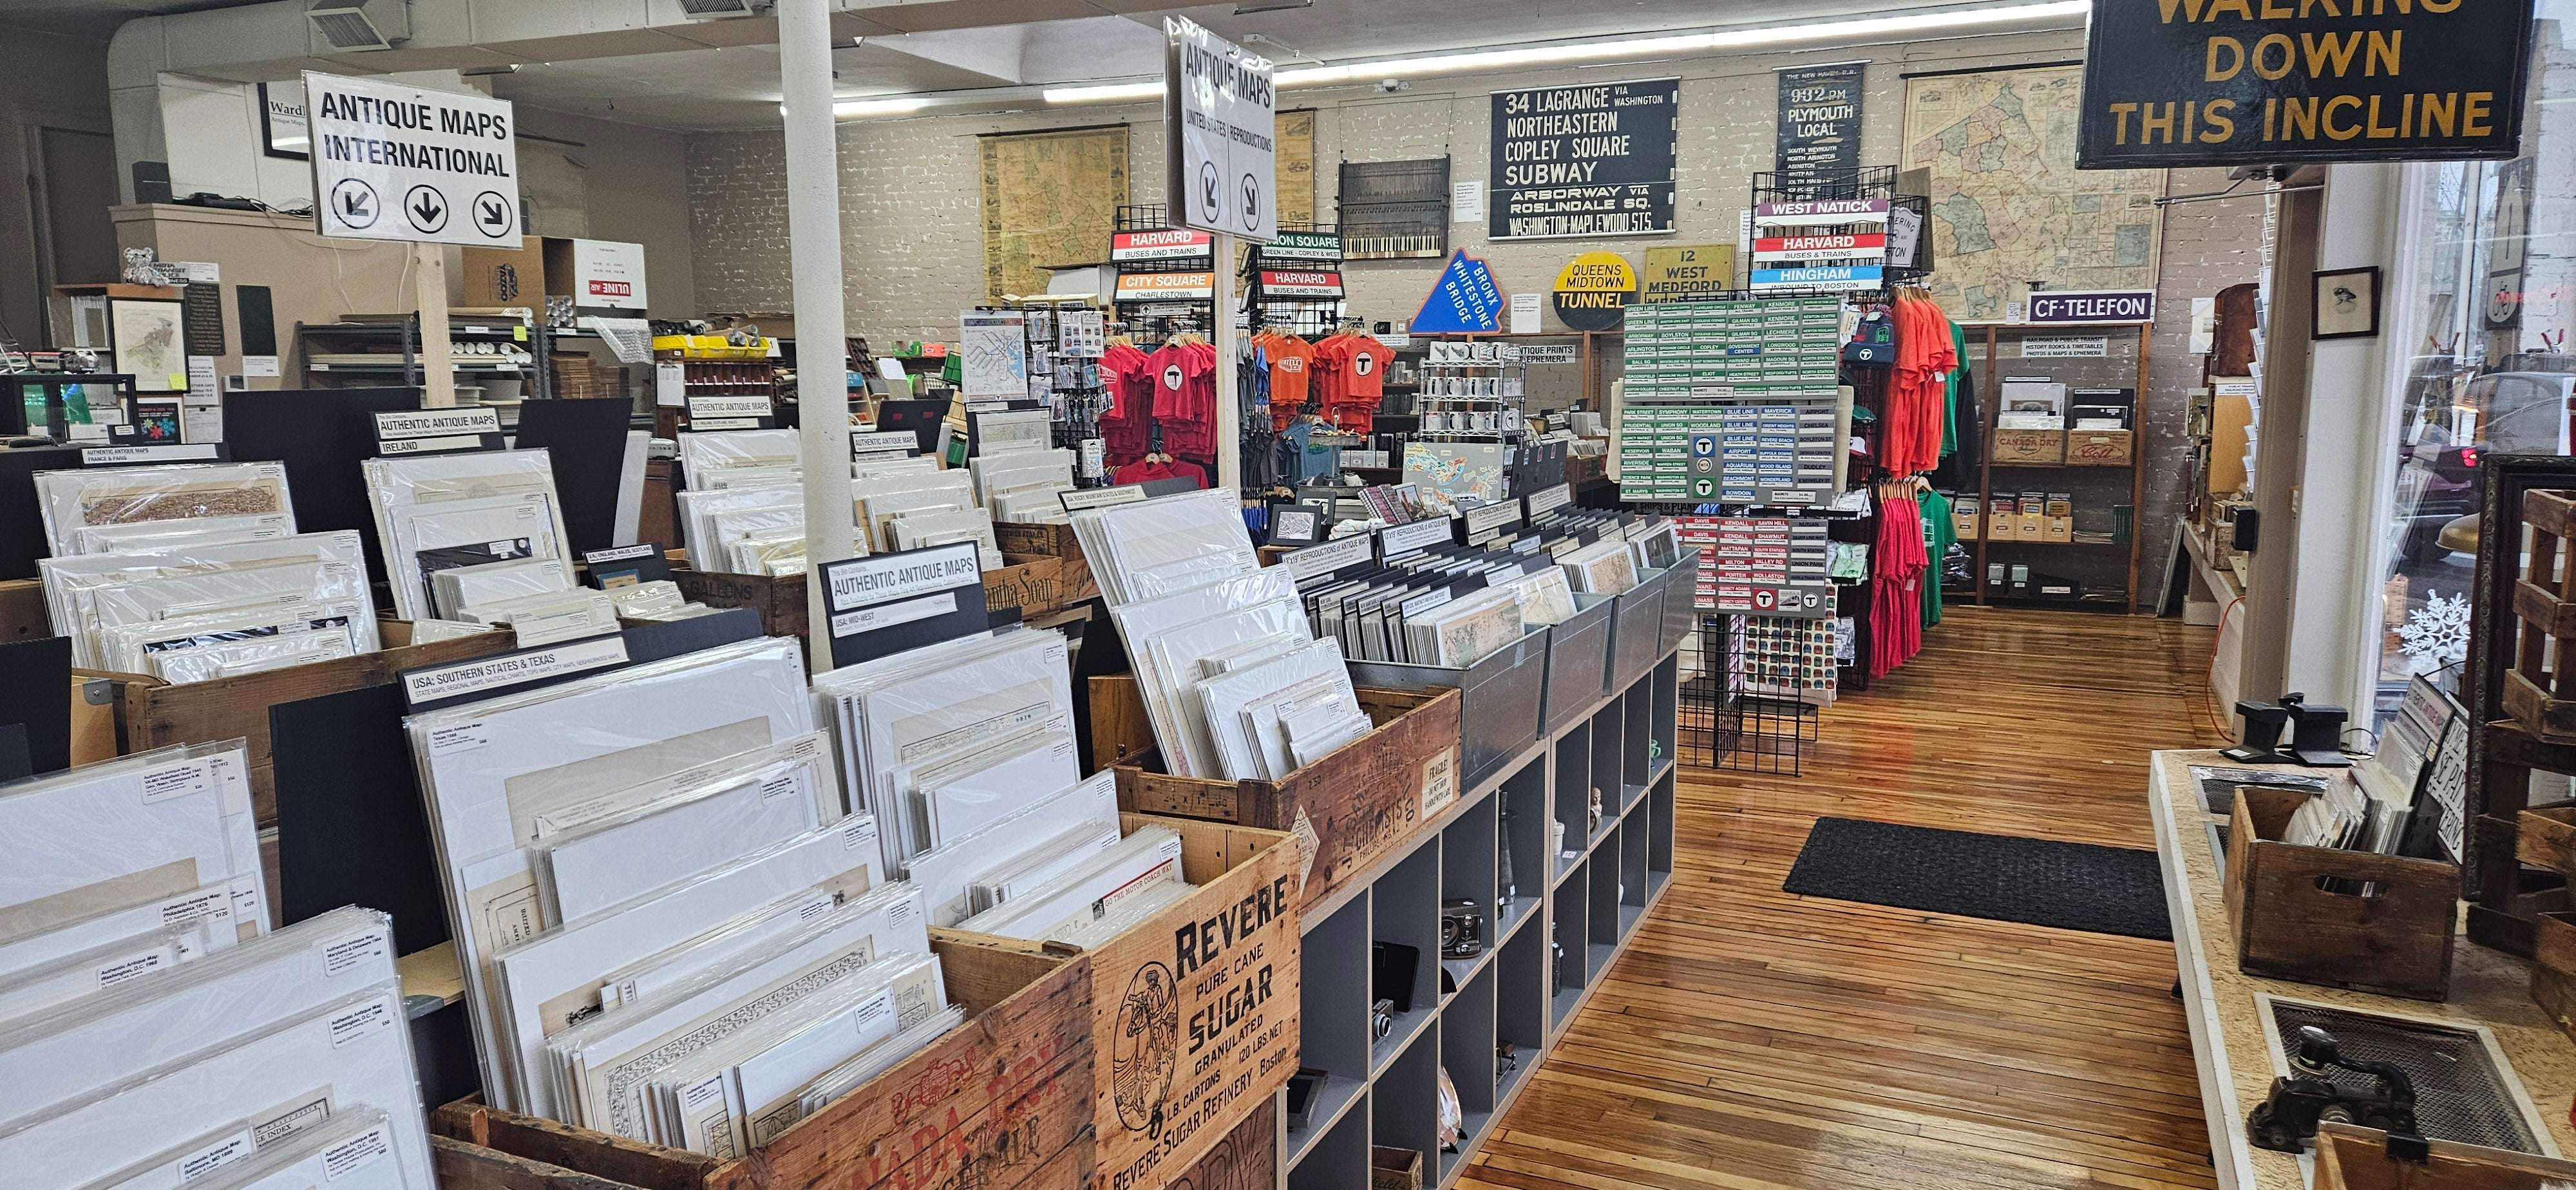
(1245, 8)
(852, 109)
(1103, 93)
(1635, 47)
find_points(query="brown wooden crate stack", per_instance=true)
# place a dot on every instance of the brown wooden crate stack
(2547, 840)
(2540, 693)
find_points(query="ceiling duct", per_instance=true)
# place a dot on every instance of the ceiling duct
(340, 27)
(715, 10)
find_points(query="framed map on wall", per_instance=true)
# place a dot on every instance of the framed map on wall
(2008, 205)
(1296, 140)
(1050, 198)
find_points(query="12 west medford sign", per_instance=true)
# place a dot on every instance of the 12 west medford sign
(2209, 82)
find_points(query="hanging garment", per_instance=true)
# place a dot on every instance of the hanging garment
(1939, 533)
(1897, 562)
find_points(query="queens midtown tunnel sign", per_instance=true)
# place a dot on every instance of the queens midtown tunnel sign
(2214, 82)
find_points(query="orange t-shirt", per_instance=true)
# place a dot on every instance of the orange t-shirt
(1366, 362)
(1291, 365)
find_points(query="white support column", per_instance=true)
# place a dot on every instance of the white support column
(437, 360)
(814, 253)
(1229, 412)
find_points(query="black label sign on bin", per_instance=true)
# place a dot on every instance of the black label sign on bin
(887, 603)
(407, 432)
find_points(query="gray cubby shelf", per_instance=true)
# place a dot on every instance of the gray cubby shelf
(1380, 1092)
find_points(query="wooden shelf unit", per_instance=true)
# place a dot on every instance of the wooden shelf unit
(1382, 1091)
(1989, 379)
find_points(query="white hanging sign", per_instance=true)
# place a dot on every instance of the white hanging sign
(392, 162)
(1220, 107)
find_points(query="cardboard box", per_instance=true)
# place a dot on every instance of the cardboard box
(1965, 522)
(2057, 530)
(507, 276)
(2029, 526)
(2030, 446)
(2099, 448)
(1999, 523)
(597, 274)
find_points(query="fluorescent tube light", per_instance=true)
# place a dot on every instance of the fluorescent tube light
(1103, 93)
(1647, 47)
(851, 109)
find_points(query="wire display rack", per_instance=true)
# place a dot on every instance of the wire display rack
(1727, 725)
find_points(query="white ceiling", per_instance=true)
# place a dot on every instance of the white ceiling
(977, 45)
(738, 88)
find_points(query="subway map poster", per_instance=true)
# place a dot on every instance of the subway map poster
(2008, 205)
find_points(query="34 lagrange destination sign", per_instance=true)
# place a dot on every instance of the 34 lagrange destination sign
(2214, 82)
(1590, 160)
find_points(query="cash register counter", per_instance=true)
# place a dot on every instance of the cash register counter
(2230, 1038)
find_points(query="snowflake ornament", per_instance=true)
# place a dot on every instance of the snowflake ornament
(2436, 634)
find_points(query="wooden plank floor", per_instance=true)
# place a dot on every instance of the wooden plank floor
(1751, 1039)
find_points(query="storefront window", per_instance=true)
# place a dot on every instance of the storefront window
(2476, 309)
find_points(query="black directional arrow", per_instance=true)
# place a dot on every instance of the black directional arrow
(426, 208)
(354, 202)
(492, 214)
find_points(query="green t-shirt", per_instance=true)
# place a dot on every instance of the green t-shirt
(1950, 407)
(1938, 535)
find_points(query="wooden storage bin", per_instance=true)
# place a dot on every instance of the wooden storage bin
(1024, 1095)
(2029, 446)
(1360, 804)
(1075, 583)
(153, 713)
(1204, 996)
(2286, 926)
(2541, 698)
(2099, 448)
(2553, 968)
(2546, 837)
(1029, 584)
(1394, 1169)
(22, 610)
(2350, 1158)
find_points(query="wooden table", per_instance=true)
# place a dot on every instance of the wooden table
(2233, 1047)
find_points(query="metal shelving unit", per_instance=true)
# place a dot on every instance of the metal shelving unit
(386, 351)
(1546, 951)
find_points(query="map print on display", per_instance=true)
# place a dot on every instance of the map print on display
(1049, 198)
(2009, 206)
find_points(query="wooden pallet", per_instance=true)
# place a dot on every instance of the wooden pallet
(2540, 691)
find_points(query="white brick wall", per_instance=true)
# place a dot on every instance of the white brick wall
(913, 242)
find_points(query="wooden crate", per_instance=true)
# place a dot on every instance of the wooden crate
(1394, 1169)
(1195, 1010)
(1075, 582)
(2029, 446)
(2099, 448)
(2553, 968)
(2546, 837)
(1003, 1103)
(1025, 1095)
(22, 610)
(153, 713)
(1029, 584)
(1359, 804)
(2396, 943)
(2540, 690)
(2350, 1158)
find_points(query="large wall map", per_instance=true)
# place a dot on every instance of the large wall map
(2009, 206)
(1050, 198)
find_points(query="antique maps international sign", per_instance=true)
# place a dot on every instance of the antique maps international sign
(1220, 108)
(2008, 204)
(1591, 160)
(392, 162)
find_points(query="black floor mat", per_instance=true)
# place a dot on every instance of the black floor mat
(2073, 886)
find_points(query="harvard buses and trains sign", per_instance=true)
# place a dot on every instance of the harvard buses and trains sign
(2213, 82)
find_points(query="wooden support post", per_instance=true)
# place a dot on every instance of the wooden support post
(437, 361)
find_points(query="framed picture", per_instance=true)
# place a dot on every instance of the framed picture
(283, 130)
(2347, 304)
(148, 343)
(1298, 524)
